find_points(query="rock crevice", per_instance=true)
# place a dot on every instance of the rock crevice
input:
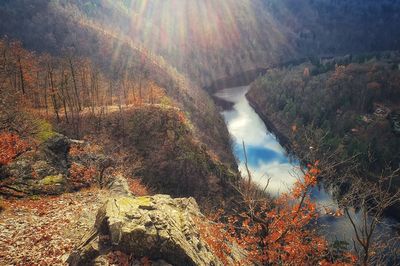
(157, 227)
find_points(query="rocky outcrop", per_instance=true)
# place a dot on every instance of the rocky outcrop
(158, 227)
(173, 161)
(119, 186)
(46, 169)
(40, 170)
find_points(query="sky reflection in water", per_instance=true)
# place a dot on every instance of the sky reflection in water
(267, 158)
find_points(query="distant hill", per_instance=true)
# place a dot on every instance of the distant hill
(209, 39)
(203, 40)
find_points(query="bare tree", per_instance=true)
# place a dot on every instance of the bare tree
(73, 75)
(50, 73)
(373, 199)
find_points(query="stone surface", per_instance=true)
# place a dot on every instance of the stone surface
(119, 186)
(56, 151)
(157, 227)
(42, 170)
(46, 169)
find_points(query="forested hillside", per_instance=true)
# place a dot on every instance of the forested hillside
(102, 108)
(216, 36)
(127, 116)
(59, 28)
(131, 118)
(345, 106)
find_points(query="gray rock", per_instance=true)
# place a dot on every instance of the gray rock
(59, 144)
(38, 171)
(55, 151)
(119, 186)
(20, 168)
(157, 227)
(43, 169)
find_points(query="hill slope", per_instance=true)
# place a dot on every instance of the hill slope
(337, 110)
(222, 38)
(62, 29)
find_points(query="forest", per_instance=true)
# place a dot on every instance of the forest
(217, 36)
(342, 110)
(349, 99)
(113, 152)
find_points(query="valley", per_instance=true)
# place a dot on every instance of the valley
(260, 132)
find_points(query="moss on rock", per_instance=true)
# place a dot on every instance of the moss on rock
(156, 227)
(44, 130)
(52, 180)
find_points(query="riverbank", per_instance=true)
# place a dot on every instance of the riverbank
(283, 133)
(273, 127)
(266, 156)
(274, 165)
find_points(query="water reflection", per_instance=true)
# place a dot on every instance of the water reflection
(267, 158)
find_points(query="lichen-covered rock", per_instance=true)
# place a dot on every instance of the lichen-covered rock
(39, 171)
(51, 180)
(119, 186)
(157, 227)
(43, 168)
(51, 169)
(47, 169)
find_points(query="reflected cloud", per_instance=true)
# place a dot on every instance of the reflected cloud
(266, 157)
(282, 176)
(244, 124)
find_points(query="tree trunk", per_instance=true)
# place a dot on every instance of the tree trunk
(21, 73)
(75, 85)
(53, 94)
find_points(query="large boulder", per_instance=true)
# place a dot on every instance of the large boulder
(157, 227)
(50, 158)
(48, 169)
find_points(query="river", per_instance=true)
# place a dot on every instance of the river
(268, 159)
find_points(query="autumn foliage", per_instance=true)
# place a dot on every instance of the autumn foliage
(284, 234)
(11, 145)
(137, 188)
(122, 259)
(280, 232)
(81, 176)
(216, 236)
